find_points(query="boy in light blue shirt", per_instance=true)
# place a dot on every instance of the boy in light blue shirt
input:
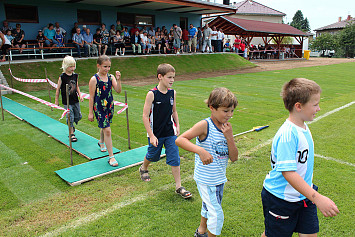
(289, 197)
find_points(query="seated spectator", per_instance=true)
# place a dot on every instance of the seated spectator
(227, 46)
(171, 42)
(40, 39)
(136, 42)
(98, 40)
(112, 33)
(126, 36)
(158, 40)
(4, 46)
(133, 30)
(89, 43)
(9, 36)
(145, 43)
(78, 42)
(104, 38)
(151, 31)
(61, 30)
(5, 27)
(167, 46)
(49, 36)
(83, 31)
(119, 43)
(151, 41)
(145, 29)
(19, 35)
(59, 38)
(119, 26)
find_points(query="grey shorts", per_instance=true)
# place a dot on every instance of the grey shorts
(75, 114)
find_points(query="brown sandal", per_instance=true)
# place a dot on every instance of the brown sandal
(144, 174)
(183, 192)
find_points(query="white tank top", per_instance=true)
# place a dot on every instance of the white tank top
(6, 40)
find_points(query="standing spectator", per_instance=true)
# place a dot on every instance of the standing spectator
(119, 27)
(49, 36)
(62, 31)
(199, 39)
(89, 43)
(118, 43)
(134, 29)
(98, 40)
(5, 27)
(151, 31)
(136, 42)
(104, 36)
(4, 45)
(83, 31)
(59, 38)
(185, 40)
(177, 33)
(145, 43)
(214, 39)
(192, 38)
(207, 38)
(73, 31)
(9, 36)
(19, 35)
(78, 42)
(220, 38)
(40, 39)
(237, 42)
(242, 47)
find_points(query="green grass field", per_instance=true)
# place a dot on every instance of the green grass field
(34, 201)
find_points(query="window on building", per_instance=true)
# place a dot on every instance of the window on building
(21, 13)
(88, 17)
(145, 20)
(129, 19)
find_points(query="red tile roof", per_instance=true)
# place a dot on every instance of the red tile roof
(336, 25)
(255, 8)
(261, 28)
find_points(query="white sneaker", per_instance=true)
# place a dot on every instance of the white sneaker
(123, 54)
(177, 52)
(116, 54)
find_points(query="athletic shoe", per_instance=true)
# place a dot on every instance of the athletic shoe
(197, 234)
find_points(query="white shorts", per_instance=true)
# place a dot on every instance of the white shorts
(211, 206)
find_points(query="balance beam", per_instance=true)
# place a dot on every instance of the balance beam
(79, 174)
(86, 144)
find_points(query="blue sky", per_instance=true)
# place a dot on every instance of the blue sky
(319, 12)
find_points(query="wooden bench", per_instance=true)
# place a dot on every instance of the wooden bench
(34, 50)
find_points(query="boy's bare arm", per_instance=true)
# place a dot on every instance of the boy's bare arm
(116, 82)
(175, 116)
(92, 87)
(146, 112)
(324, 204)
(59, 84)
(228, 134)
(198, 130)
(78, 90)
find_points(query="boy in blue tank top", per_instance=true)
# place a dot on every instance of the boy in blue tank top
(289, 197)
(214, 146)
(161, 121)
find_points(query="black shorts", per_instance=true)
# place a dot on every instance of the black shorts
(282, 218)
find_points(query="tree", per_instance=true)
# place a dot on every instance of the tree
(346, 41)
(324, 42)
(299, 22)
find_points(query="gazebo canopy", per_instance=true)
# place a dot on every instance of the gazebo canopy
(245, 28)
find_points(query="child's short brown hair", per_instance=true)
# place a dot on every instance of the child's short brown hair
(298, 90)
(222, 97)
(164, 68)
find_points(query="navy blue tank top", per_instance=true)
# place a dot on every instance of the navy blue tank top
(161, 120)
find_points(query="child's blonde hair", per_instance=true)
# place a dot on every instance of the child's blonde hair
(164, 68)
(68, 61)
(102, 59)
(298, 90)
(222, 97)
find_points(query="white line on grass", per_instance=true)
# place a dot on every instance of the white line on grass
(336, 160)
(94, 216)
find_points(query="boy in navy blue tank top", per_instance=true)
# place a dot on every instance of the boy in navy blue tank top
(214, 146)
(161, 121)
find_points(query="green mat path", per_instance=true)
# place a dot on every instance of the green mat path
(86, 145)
(78, 174)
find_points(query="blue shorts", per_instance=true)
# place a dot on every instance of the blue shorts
(212, 206)
(171, 151)
(282, 218)
(75, 113)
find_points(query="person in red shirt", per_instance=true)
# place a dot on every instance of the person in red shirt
(237, 42)
(185, 39)
(133, 30)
